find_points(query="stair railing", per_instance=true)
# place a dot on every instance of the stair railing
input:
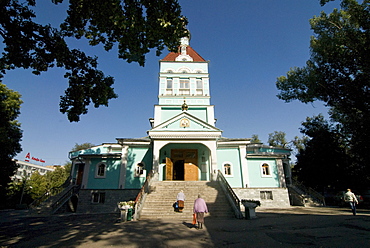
(230, 194)
(308, 192)
(140, 198)
(64, 196)
(49, 193)
(297, 198)
(317, 196)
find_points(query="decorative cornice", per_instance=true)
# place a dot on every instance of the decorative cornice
(185, 135)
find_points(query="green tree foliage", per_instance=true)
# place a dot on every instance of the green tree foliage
(277, 139)
(10, 135)
(255, 139)
(39, 185)
(56, 178)
(298, 144)
(338, 74)
(82, 146)
(135, 26)
(322, 164)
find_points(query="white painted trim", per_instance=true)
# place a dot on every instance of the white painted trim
(97, 170)
(144, 170)
(122, 172)
(231, 169)
(85, 177)
(244, 165)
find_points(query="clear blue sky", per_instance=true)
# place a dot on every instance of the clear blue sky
(248, 43)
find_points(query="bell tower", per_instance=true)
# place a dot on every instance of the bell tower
(184, 79)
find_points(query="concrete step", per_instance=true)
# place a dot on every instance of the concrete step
(158, 203)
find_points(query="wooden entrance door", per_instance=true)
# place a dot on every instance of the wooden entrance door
(189, 159)
(169, 169)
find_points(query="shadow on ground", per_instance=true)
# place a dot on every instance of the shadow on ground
(308, 227)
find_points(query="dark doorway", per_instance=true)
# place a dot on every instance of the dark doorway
(178, 170)
(80, 173)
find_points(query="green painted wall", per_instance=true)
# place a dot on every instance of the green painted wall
(135, 156)
(255, 175)
(232, 156)
(169, 112)
(111, 180)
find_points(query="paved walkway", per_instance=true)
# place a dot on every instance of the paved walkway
(290, 227)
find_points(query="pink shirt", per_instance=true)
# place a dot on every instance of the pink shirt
(200, 206)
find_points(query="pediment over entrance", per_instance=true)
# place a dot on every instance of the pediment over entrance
(185, 122)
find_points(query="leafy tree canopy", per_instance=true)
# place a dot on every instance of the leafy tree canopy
(323, 163)
(135, 26)
(10, 134)
(82, 146)
(255, 139)
(338, 72)
(277, 139)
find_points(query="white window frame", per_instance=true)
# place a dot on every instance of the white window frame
(100, 199)
(266, 195)
(141, 169)
(263, 170)
(97, 167)
(184, 83)
(169, 82)
(231, 169)
(199, 86)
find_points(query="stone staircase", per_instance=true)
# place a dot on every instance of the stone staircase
(159, 201)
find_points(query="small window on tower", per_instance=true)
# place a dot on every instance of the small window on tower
(199, 84)
(169, 83)
(184, 84)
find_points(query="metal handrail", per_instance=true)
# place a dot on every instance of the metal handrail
(64, 196)
(310, 192)
(47, 195)
(317, 195)
(140, 198)
(231, 196)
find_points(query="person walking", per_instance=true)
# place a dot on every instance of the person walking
(180, 201)
(200, 207)
(351, 199)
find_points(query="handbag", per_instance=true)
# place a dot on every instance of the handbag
(194, 219)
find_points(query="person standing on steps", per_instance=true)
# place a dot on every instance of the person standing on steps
(200, 207)
(351, 199)
(180, 201)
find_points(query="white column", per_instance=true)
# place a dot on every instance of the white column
(85, 176)
(213, 150)
(244, 165)
(122, 171)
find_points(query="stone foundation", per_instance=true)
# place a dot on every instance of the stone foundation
(280, 196)
(111, 198)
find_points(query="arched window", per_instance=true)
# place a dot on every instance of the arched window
(140, 169)
(100, 170)
(227, 167)
(265, 169)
